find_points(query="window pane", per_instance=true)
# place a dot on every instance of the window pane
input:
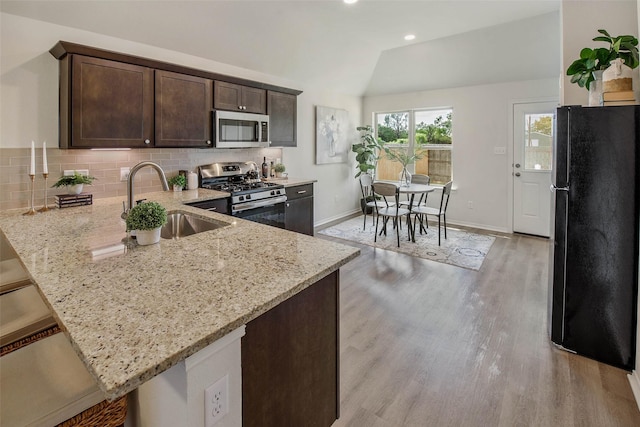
(433, 141)
(538, 141)
(436, 163)
(393, 127)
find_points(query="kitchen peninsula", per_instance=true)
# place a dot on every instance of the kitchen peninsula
(132, 314)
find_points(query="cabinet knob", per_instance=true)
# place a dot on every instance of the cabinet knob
(239, 107)
(147, 141)
(209, 142)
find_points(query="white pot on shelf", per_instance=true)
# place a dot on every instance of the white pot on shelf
(76, 189)
(148, 237)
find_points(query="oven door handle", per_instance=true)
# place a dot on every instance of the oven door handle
(258, 204)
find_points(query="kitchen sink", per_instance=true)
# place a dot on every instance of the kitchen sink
(182, 224)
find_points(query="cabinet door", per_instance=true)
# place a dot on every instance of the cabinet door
(234, 97)
(282, 110)
(226, 96)
(299, 215)
(112, 104)
(183, 110)
(254, 100)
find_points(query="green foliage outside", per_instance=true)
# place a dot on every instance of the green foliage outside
(394, 129)
(542, 125)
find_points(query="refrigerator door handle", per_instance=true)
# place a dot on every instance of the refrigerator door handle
(553, 188)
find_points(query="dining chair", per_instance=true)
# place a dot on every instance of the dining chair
(389, 209)
(369, 201)
(422, 212)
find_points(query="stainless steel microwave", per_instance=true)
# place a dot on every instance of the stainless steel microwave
(240, 130)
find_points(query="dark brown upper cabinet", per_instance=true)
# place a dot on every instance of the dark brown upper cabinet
(113, 100)
(105, 104)
(234, 97)
(183, 110)
(282, 110)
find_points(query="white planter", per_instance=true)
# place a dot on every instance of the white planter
(76, 189)
(148, 237)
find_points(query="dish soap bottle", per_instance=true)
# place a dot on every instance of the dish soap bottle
(265, 168)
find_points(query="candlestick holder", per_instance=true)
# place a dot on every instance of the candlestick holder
(31, 211)
(45, 207)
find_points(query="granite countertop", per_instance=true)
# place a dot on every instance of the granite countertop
(291, 182)
(133, 313)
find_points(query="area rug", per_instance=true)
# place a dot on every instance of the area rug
(461, 248)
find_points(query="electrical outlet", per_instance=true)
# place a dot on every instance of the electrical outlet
(216, 404)
(124, 173)
(70, 172)
(470, 204)
(499, 150)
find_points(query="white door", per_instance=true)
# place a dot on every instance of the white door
(532, 163)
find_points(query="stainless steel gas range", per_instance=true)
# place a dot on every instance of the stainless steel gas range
(251, 198)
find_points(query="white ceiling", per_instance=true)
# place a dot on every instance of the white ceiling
(312, 42)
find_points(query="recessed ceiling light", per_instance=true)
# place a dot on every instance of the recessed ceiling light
(409, 37)
(350, 1)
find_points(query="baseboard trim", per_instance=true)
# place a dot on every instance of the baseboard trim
(346, 215)
(634, 380)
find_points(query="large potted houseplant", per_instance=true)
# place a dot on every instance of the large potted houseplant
(592, 62)
(367, 155)
(147, 218)
(74, 183)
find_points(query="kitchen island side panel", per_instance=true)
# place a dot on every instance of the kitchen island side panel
(290, 355)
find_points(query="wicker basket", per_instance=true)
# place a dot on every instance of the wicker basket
(28, 340)
(104, 414)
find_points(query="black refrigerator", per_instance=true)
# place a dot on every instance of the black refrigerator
(593, 286)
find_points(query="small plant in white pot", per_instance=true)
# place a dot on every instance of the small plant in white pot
(178, 182)
(279, 169)
(75, 182)
(147, 218)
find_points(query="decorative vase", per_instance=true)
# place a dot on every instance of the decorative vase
(148, 237)
(278, 174)
(177, 187)
(595, 89)
(76, 189)
(405, 177)
(618, 77)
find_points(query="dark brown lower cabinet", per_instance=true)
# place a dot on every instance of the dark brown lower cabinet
(290, 361)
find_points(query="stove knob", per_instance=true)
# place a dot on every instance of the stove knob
(248, 196)
(241, 198)
(273, 193)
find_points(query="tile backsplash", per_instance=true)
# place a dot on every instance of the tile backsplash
(105, 166)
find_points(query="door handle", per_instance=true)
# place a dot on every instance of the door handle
(517, 165)
(517, 173)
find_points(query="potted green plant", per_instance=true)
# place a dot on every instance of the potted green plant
(75, 182)
(367, 151)
(367, 155)
(597, 60)
(279, 168)
(177, 182)
(147, 218)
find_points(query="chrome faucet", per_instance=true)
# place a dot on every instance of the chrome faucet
(132, 174)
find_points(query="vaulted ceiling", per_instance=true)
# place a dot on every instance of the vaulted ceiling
(354, 49)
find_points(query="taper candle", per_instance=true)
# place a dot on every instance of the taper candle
(45, 169)
(32, 168)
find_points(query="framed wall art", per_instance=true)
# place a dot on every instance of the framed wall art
(332, 130)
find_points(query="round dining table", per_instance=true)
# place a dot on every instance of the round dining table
(412, 190)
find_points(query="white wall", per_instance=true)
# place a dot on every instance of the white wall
(481, 121)
(29, 101)
(580, 21)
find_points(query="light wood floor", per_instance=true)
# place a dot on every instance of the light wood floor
(430, 344)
